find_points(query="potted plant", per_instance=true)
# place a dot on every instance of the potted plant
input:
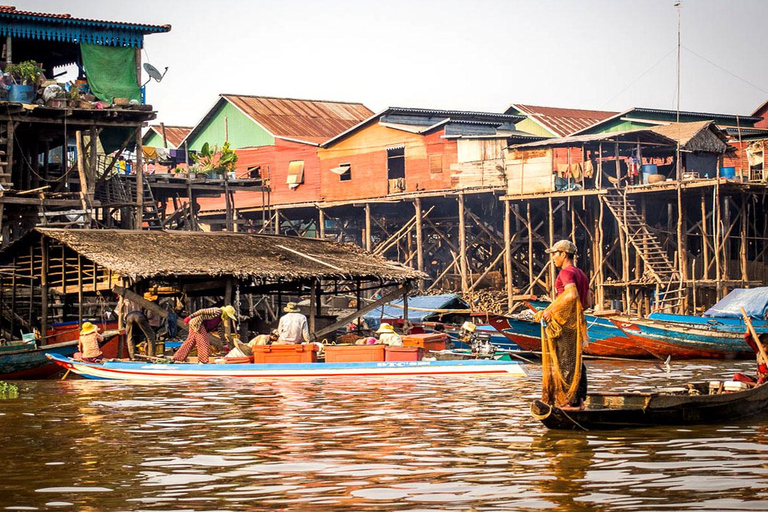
(26, 77)
(214, 162)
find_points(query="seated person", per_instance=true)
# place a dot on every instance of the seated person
(388, 336)
(293, 327)
(264, 339)
(88, 344)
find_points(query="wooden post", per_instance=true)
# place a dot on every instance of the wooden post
(704, 238)
(726, 236)
(744, 248)
(508, 254)
(717, 234)
(618, 165)
(419, 240)
(551, 222)
(79, 290)
(367, 236)
(139, 182)
(13, 299)
(406, 324)
(462, 244)
(321, 222)
(44, 287)
(82, 175)
(165, 138)
(31, 284)
(531, 276)
(599, 179)
(312, 306)
(600, 255)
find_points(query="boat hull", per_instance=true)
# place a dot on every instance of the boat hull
(605, 339)
(31, 363)
(131, 371)
(678, 341)
(607, 411)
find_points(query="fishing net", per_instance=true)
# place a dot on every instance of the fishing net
(562, 339)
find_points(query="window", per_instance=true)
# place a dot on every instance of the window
(346, 175)
(396, 163)
(435, 164)
(295, 173)
(254, 173)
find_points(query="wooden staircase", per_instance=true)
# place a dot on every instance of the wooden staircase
(6, 154)
(657, 264)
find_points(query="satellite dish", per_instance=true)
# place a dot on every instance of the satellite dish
(154, 73)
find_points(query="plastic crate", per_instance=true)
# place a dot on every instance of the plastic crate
(285, 353)
(354, 353)
(403, 353)
(427, 341)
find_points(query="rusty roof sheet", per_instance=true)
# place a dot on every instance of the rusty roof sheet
(563, 121)
(174, 134)
(11, 11)
(303, 120)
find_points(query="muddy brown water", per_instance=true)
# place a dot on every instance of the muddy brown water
(427, 443)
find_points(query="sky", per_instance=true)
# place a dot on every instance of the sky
(481, 55)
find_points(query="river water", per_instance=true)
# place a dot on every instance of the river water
(457, 443)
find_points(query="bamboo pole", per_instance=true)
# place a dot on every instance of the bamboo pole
(462, 245)
(139, 182)
(367, 236)
(530, 243)
(744, 248)
(44, 286)
(419, 240)
(704, 238)
(508, 254)
(551, 223)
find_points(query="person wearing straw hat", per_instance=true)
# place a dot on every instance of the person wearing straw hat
(201, 322)
(88, 344)
(293, 327)
(388, 336)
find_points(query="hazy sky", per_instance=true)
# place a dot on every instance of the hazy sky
(466, 55)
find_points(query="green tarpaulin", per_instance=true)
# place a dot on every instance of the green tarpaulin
(111, 72)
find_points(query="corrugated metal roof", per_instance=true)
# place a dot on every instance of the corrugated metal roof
(9, 11)
(174, 134)
(563, 121)
(645, 135)
(305, 120)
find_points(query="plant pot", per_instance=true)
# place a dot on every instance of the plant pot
(21, 93)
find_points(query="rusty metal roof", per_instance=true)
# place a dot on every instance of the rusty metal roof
(303, 120)
(174, 134)
(562, 121)
(10, 11)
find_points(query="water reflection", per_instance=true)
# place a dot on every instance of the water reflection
(365, 444)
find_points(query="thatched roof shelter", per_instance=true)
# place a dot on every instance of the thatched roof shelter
(147, 254)
(699, 136)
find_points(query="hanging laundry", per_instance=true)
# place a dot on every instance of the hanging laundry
(150, 152)
(576, 171)
(589, 169)
(563, 171)
(163, 154)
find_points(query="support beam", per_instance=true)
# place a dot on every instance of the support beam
(463, 245)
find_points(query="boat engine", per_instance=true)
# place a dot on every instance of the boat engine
(479, 342)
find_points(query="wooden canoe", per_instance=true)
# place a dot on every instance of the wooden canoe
(688, 405)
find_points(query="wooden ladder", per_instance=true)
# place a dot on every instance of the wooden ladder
(657, 264)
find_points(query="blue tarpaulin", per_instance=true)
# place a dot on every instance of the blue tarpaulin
(754, 301)
(415, 304)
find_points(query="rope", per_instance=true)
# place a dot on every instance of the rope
(541, 417)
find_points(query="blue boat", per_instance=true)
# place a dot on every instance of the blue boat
(25, 360)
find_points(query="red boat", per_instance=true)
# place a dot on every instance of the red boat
(605, 338)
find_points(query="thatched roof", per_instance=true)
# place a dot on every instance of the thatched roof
(697, 136)
(146, 254)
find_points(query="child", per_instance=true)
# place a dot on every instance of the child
(88, 345)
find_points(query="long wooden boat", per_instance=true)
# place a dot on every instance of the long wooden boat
(605, 338)
(28, 361)
(688, 405)
(716, 324)
(136, 371)
(685, 341)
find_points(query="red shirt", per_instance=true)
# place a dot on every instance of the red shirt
(576, 276)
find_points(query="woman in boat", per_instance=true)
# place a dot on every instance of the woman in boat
(564, 331)
(88, 344)
(201, 322)
(388, 336)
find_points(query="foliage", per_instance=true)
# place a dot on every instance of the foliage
(8, 390)
(211, 160)
(28, 72)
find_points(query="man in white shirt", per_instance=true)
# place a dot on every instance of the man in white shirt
(293, 327)
(388, 336)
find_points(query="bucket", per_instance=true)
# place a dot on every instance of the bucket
(727, 172)
(647, 171)
(21, 93)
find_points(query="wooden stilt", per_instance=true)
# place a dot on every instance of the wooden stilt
(508, 254)
(462, 245)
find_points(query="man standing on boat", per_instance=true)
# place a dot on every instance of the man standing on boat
(201, 322)
(293, 327)
(564, 332)
(136, 325)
